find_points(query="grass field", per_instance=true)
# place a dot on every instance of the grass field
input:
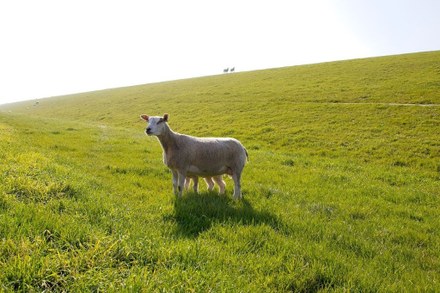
(342, 191)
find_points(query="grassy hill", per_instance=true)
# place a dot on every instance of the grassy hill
(341, 191)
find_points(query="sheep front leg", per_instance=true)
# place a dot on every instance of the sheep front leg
(175, 181)
(181, 183)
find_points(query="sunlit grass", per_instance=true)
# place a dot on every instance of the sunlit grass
(341, 191)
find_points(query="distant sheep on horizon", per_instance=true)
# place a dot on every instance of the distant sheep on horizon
(226, 70)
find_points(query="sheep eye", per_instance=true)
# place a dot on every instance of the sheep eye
(160, 121)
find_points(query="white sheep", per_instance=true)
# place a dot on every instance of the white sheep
(189, 156)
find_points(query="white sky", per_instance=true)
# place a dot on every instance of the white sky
(55, 47)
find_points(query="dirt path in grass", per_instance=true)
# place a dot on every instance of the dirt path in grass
(385, 104)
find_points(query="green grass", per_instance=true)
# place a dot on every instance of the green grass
(342, 191)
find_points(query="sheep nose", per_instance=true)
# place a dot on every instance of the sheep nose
(148, 130)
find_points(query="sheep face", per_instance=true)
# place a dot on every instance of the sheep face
(156, 125)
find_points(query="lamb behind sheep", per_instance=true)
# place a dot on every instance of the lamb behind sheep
(194, 156)
(209, 181)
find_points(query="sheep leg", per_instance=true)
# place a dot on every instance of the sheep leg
(195, 180)
(237, 187)
(210, 183)
(221, 184)
(181, 183)
(175, 181)
(196, 183)
(187, 182)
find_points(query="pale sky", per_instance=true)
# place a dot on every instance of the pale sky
(56, 47)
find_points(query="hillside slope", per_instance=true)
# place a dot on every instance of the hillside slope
(341, 191)
(322, 106)
(406, 79)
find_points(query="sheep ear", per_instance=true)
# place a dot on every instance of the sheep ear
(144, 117)
(165, 117)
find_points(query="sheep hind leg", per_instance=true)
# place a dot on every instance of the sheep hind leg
(237, 186)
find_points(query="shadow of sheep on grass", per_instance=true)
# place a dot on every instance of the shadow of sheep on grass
(196, 213)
